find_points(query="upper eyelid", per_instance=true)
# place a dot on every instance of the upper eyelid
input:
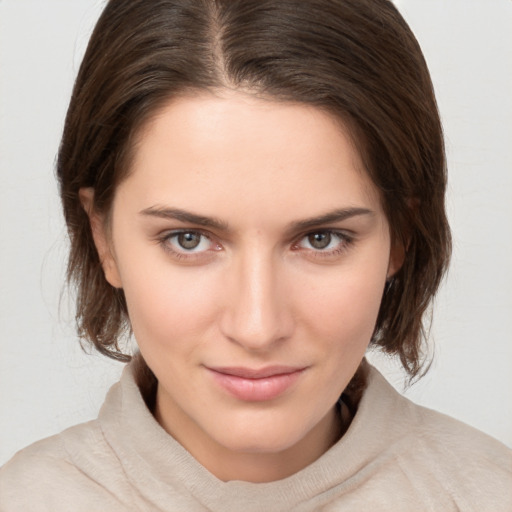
(343, 233)
(326, 230)
(166, 235)
(169, 233)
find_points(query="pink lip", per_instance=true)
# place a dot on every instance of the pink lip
(256, 385)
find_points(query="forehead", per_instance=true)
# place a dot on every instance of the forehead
(212, 151)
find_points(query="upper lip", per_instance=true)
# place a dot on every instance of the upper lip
(256, 373)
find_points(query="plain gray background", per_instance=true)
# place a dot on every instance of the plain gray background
(47, 383)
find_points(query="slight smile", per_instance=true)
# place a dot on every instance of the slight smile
(256, 385)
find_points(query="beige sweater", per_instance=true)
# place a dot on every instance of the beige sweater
(396, 456)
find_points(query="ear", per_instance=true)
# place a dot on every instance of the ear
(396, 258)
(399, 248)
(101, 237)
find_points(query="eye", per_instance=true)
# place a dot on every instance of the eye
(323, 241)
(188, 242)
(319, 240)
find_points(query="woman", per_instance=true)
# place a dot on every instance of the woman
(256, 191)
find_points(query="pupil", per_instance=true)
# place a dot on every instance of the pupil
(189, 240)
(320, 240)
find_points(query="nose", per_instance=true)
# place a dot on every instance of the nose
(257, 313)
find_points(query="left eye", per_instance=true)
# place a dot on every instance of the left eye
(321, 241)
(189, 241)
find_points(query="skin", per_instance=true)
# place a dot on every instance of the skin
(258, 289)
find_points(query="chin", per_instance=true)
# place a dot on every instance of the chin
(265, 437)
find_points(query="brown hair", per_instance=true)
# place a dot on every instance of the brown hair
(357, 59)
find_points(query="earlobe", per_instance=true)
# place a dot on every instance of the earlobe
(101, 238)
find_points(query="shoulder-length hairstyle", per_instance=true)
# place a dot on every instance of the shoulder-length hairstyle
(356, 59)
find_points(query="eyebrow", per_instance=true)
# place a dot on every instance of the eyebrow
(185, 216)
(329, 218)
(213, 223)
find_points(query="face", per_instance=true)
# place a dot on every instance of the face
(253, 252)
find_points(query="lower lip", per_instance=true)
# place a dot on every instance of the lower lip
(256, 390)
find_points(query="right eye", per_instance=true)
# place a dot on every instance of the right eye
(189, 241)
(184, 243)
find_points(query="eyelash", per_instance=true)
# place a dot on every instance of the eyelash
(345, 242)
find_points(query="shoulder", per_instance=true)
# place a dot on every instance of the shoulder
(473, 468)
(471, 456)
(74, 470)
(447, 439)
(470, 466)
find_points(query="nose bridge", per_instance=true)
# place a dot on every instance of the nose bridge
(257, 315)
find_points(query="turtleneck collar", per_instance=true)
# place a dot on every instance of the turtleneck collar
(158, 466)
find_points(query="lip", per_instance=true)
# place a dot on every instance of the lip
(256, 385)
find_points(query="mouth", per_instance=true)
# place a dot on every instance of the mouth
(256, 385)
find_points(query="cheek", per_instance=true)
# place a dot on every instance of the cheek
(168, 305)
(344, 305)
